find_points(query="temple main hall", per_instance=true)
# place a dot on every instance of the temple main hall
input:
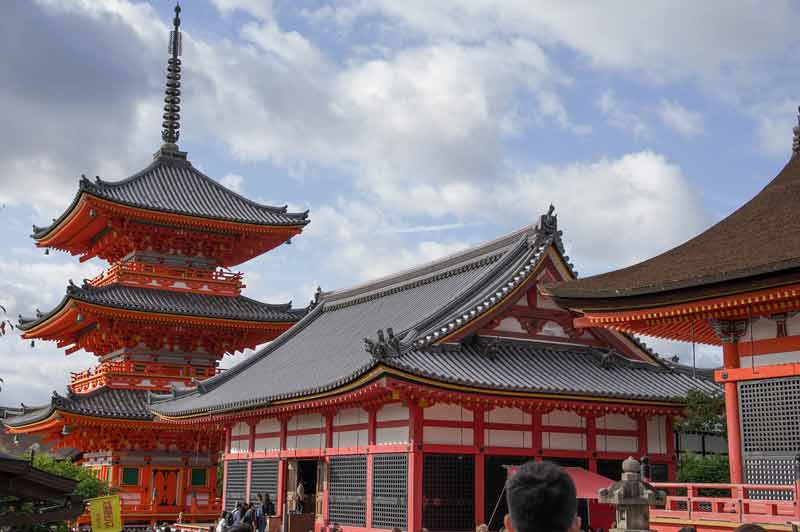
(402, 402)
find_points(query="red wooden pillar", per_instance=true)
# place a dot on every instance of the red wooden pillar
(251, 447)
(642, 429)
(281, 502)
(225, 482)
(372, 425)
(328, 445)
(370, 473)
(480, 465)
(670, 435)
(414, 482)
(730, 355)
(536, 432)
(591, 440)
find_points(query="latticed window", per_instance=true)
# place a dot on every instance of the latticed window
(198, 476)
(347, 490)
(448, 484)
(235, 483)
(130, 476)
(770, 418)
(389, 490)
(264, 479)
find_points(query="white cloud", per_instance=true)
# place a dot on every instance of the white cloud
(619, 116)
(661, 39)
(233, 182)
(677, 117)
(614, 212)
(261, 9)
(774, 123)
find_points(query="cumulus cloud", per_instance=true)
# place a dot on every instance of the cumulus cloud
(618, 35)
(620, 116)
(680, 119)
(774, 121)
(614, 212)
(233, 182)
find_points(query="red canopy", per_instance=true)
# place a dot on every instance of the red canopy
(587, 484)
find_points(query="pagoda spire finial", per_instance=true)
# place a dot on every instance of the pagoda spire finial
(796, 141)
(172, 99)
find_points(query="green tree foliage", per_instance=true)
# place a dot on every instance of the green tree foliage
(705, 412)
(709, 469)
(88, 485)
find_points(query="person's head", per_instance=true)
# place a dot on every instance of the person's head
(750, 528)
(266, 497)
(693, 529)
(482, 528)
(397, 529)
(541, 498)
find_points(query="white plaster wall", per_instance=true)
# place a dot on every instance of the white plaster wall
(448, 435)
(763, 329)
(268, 444)
(306, 441)
(716, 444)
(617, 444)
(351, 416)
(240, 429)
(268, 424)
(392, 412)
(240, 446)
(563, 418)
(523, 301)
(564, 440)
(350, 438)
(616, 422)
(790, 357)
(388, 435)
(510, 325)
(306, 421)
(449, 412)
(657, 434)
(552, 328)
(508, 438)
(507, 415)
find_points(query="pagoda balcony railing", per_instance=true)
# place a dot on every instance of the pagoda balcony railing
(735, 503)
(144, 369)
(120, 270)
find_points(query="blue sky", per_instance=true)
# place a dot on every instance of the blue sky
(409, 129)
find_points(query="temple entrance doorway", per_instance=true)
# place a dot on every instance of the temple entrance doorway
(495, 475)
(448, 492)
(165, 486)
(307, 474)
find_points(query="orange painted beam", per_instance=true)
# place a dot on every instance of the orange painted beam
(760, 372)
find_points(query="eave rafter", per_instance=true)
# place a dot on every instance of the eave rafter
(97, 227)
(100, 330)
(689, 321)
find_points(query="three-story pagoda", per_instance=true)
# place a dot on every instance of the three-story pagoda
(160, 318)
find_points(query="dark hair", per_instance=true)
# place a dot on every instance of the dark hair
(749, 527)
(541, 498)
(690, 529)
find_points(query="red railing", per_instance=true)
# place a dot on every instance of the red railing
(739, 503)
(215, 276)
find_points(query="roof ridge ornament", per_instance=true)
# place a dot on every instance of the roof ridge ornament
(796, 140)
(387, 345)
(172, 93)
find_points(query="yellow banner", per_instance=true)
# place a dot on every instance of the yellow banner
(106, 515)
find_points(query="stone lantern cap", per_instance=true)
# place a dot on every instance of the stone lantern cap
(631, 490)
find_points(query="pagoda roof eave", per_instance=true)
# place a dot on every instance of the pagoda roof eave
(193, 195)
(233, 311)
(760, 240)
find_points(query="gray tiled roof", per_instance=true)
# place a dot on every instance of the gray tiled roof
(105, 402)
(326, 349)
(171, 302)
(173, 185)
(551, 368)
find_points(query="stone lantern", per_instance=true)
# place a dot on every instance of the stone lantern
(633, 499)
